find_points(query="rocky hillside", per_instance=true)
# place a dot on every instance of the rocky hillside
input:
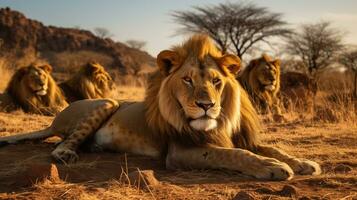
(65, 48)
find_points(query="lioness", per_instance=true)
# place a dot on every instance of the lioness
(195, 115)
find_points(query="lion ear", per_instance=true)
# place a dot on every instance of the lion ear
(46, 67)
(276, 62)
(167, 60)
(92, 67)
(231, 63)
(266, 58)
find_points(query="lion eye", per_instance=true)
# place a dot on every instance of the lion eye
(216, 81)
(187, 80)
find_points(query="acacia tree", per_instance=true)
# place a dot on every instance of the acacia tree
(349, 59)
(234, 26)
(136, 44)
(316, 45)
(102, 32)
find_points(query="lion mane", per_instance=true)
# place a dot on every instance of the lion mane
(239, 125)
(48, 101)
(92, 81)
(261, 79)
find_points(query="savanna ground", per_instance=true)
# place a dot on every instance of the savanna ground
(28, 172)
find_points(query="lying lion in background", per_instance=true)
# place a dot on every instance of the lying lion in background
(195, 115)
(33, 89)
(298, 91)
(90, 82)
(261, 79)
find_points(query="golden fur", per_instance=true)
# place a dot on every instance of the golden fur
(92, 81)
(195, 115)
(243, 127)
(261, 79)
(33, 89)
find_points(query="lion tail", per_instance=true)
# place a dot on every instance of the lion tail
(41, 134)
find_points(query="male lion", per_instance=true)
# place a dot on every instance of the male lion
(195, 115)
(90, 82)
(33, 89)
(261, 79)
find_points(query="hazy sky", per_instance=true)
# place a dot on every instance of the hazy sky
(149, 20)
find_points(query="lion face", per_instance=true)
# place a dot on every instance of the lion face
(267, 73)
(198, 85)
(199, 92)
(37, 79)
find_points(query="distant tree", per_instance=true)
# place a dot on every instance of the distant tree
(136, 44)
(349, 60)
(102, 32)
(317, 45)
(292, 64)
(234, 26)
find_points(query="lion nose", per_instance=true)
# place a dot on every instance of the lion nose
(205, 105)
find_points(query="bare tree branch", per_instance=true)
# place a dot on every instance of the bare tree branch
(349, 60)
(102, 32)
(136, 44)
(235, 26)
(316, 44)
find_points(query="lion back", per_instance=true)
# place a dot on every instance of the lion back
(298, 90)
(90, 82)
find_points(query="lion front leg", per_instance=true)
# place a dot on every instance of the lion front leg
(299, 166)
(240, 160)
(66, 151)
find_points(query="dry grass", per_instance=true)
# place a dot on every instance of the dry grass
(19, 122)
(130, 93)
(337, 107)
(138, 80)
(5, 72)
(332, 143)
(65, 190)
(333, 102)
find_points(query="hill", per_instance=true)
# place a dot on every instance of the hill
(24, 40)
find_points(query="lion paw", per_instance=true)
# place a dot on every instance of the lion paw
(275, 170)
(65, 155)
(307, 167)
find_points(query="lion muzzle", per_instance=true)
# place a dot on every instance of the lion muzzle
(42, 91)
(203, 124)
(270, 87)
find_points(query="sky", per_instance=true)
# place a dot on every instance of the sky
(150, 20)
